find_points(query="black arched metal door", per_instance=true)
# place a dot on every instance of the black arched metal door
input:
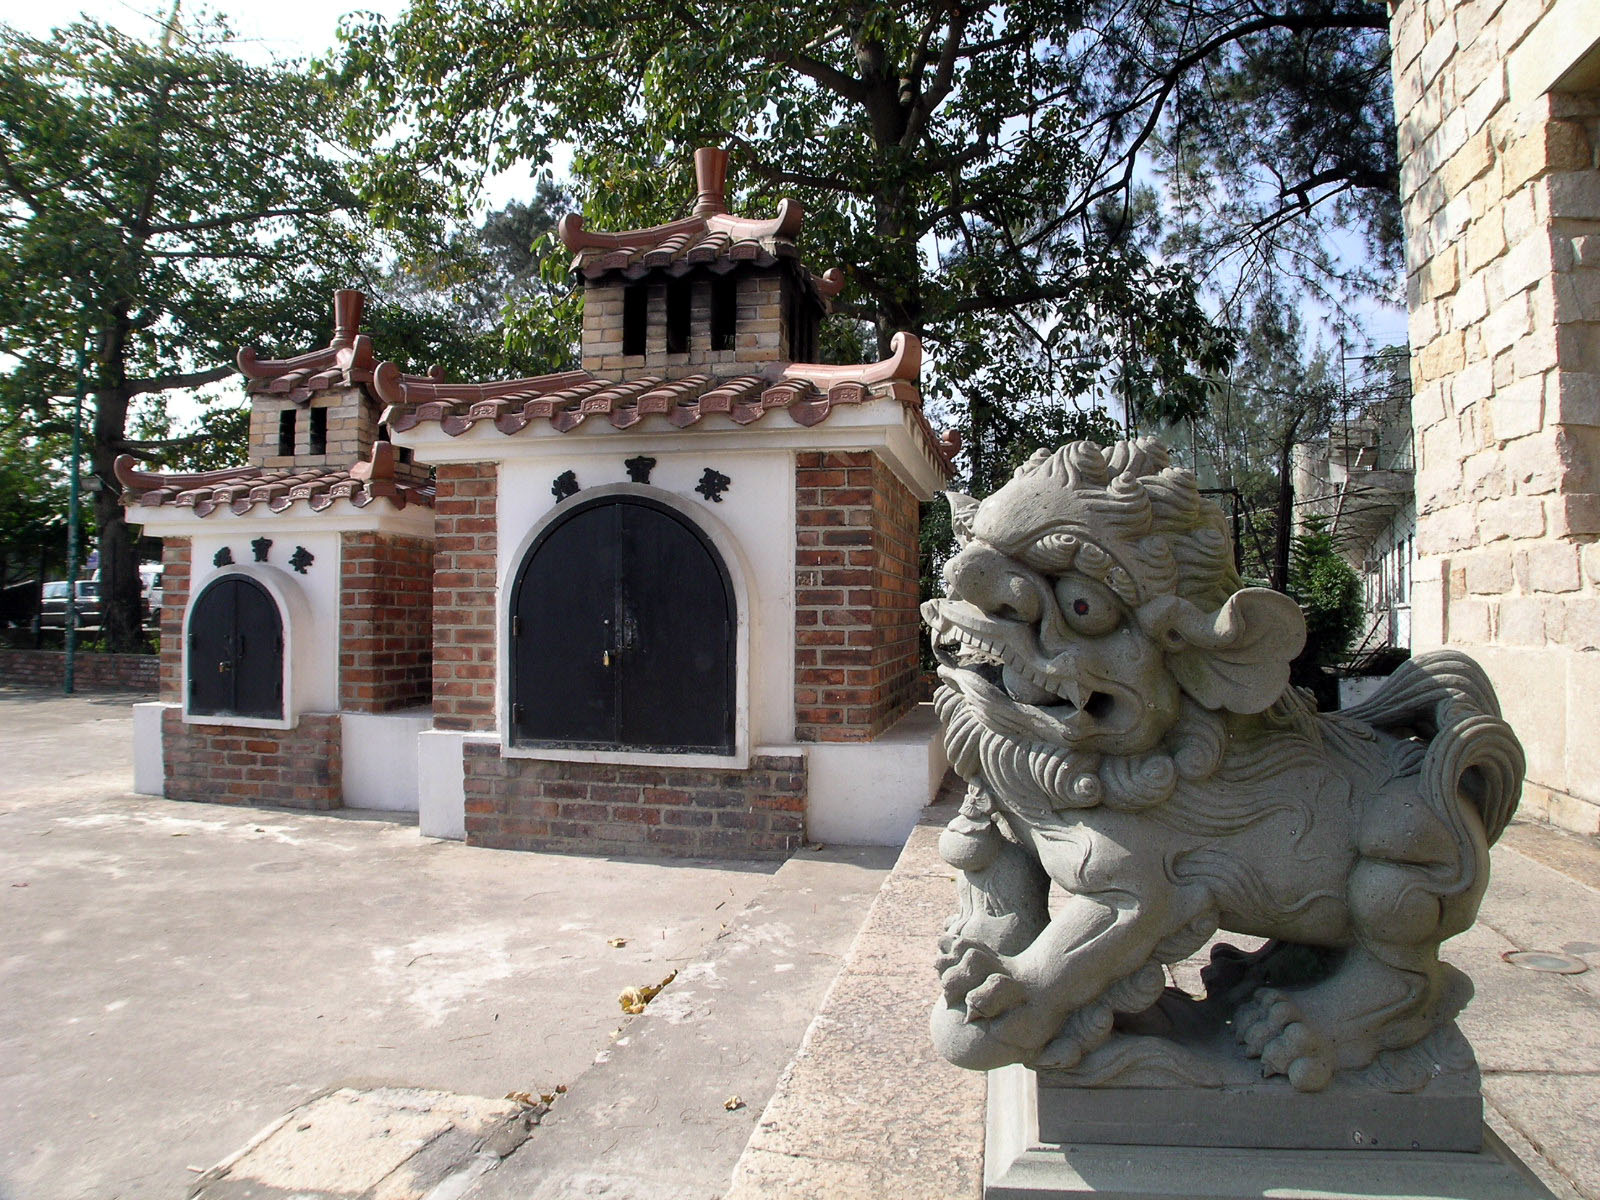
(235, 651)
(622, 633)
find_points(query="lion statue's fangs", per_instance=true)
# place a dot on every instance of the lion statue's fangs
(1119, 705)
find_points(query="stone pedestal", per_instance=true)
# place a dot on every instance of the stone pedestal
(1019, 1164)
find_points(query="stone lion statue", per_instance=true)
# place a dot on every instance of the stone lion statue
(1119, 705)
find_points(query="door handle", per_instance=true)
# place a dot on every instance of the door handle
(605, 658)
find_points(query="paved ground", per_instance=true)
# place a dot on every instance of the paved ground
(173, 977)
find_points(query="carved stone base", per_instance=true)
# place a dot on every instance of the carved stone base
(1020, 1165)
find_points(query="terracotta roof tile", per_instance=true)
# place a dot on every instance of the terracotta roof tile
(347, 361)
(806, 392)
(243, 489)
(709, 235)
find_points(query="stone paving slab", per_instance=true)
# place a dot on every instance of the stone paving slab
(868, 1110)
(650, 1119)
(382, 1144)
(174, 976)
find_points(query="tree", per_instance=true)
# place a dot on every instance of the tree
(1280, 147)
(497, 287)
(973, 165)
(161, 205)
(1278, 397)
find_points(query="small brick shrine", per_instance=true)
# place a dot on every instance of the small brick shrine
(666, 603)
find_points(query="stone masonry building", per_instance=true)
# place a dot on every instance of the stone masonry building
(1499, 129)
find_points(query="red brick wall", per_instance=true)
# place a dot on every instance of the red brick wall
(607, 808)
(113, 672)
(463, 596)
(225, 764)
(385, 622)
(175, 571)
(856, 628)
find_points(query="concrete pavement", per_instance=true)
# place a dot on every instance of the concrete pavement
(174, 977)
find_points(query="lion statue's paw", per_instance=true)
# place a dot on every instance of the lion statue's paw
(1287, 1039)
(974, 976)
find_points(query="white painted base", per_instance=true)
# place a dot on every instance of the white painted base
(149, 757)
(380, 758)
(872, 793)
(441, 784)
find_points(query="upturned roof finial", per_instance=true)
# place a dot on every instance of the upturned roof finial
(711, 180)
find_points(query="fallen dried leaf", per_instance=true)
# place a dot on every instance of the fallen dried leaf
(733, 1104)
(616, 943)
(633, 999)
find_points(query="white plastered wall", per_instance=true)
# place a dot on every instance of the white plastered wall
(752, 528)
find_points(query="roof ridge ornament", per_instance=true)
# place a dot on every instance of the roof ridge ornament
(711, 178)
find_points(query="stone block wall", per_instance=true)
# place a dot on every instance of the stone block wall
(385, 622)
(1502, 204)
(857, 651)
(228, 764)
(760, 337)
(465, 538)
(91, 672)
(608, 808)
(175, 553)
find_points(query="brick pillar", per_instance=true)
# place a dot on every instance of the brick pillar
(175, 555)
(463, 596)
(385, 621)
(856, 631)
(1501, 189)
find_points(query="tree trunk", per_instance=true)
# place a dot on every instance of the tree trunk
(120, 596)
(1283, 536)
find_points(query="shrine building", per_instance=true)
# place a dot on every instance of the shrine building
(666, 603)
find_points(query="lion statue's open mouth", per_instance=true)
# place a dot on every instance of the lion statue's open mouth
(1118, 703)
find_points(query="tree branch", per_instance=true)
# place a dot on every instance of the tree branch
(165, 383)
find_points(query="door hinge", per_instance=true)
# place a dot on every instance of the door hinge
(516, 714)
(516, 625)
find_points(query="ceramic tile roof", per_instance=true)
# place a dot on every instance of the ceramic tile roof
(806, 393)
(347, 361)
(241, 490)
(709, 235)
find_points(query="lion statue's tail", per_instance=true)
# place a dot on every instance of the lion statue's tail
(1445, 699)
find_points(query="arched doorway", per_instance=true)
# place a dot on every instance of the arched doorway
(235, 651)
(622, 633)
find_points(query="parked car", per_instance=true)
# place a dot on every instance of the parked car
(53, 604)
(150, 585)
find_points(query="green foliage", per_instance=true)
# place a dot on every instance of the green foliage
(161, 205)
(1281, 147)
(1329, 592)
(495, 299)
(963, 163)
(33, 506)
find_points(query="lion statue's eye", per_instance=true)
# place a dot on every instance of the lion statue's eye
(1088, 606)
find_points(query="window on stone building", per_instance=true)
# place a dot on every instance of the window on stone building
(680, 306)
(630, 606)
(724, 311)
(286, 432)
(319, 431)
(635, 317)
